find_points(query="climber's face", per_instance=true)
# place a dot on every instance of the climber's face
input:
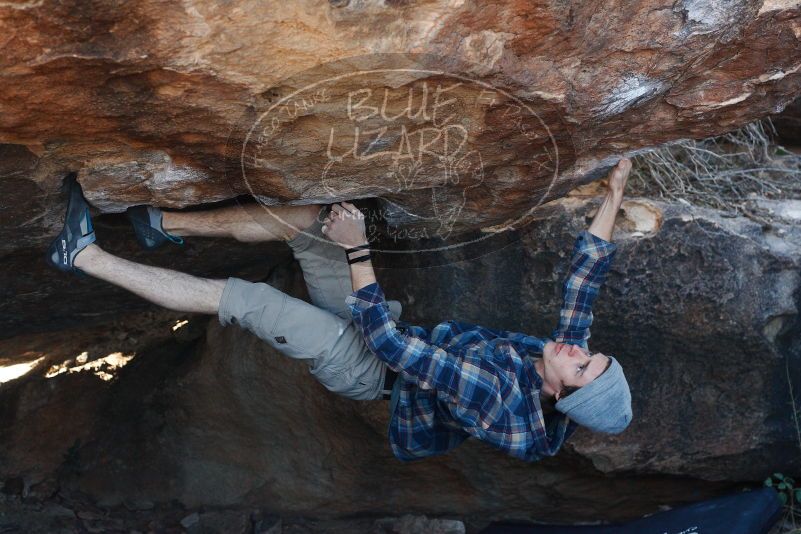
(566, 365)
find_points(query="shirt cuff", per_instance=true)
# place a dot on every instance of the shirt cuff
(592, 245)
(365, 297)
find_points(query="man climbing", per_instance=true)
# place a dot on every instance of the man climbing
(445, 384)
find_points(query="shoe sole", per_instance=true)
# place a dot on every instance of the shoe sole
(136, 223)
(54, 251)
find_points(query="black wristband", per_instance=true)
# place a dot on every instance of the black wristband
(358, 247)
(360, 258)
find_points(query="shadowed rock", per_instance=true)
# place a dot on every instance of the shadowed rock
(451, 120)
(702, 312)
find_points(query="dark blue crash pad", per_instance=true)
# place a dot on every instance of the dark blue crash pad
(750, 512)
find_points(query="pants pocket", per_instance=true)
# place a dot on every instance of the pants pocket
(335, 379)
(301, 330)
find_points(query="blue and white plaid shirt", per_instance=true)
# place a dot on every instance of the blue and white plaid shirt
(460, 380)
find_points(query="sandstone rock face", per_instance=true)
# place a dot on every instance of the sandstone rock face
(788, 124)
(702, 312)
(457, 114)
(454, 115)
(451, 121)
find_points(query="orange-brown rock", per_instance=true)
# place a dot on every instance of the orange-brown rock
(183, 103)
(456, 116)
(701, 310)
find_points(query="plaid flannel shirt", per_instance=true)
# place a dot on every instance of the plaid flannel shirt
(460, 380)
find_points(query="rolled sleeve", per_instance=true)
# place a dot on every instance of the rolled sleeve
(594, 246)
(370, 312)
(591, 260)
(365, 297)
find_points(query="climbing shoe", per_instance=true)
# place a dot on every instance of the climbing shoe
(77, 233)
(146, 221)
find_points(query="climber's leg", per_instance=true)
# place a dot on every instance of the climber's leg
(335, 350)
(323, 263)
(333, 347)
(169, 289)
(325, 269)
(247, 222)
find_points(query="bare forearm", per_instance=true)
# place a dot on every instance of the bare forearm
(604, 221)
(345, 226)
(362, 274)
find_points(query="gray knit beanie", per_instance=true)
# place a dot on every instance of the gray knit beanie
(603, 405)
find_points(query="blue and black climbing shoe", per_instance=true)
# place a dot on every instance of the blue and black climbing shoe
(146, 221)
(77, 233)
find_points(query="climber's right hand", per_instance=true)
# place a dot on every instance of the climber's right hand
(618, 176)
(344, 225)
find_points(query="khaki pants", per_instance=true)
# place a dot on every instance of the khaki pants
(322, 333)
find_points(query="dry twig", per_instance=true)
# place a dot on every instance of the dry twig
(727, 173)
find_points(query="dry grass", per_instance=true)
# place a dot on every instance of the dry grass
(727, 173)
(790, 522)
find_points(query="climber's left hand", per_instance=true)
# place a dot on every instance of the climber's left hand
(344, 225)
(618, 176)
